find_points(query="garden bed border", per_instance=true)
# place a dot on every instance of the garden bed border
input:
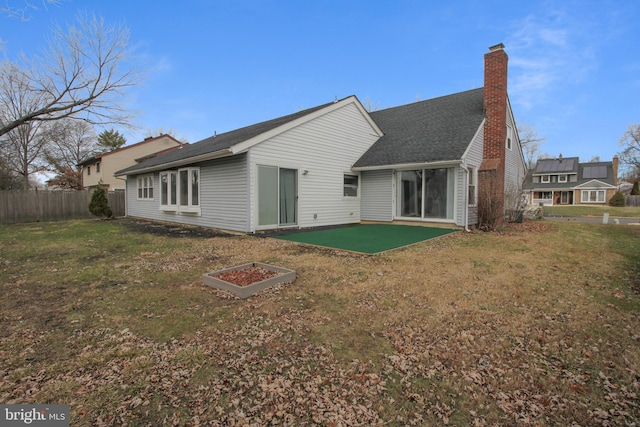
(284, 275)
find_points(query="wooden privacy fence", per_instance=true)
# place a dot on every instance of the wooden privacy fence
(33, 206)
(632, 200)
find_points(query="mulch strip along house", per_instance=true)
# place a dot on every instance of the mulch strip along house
(338, 164)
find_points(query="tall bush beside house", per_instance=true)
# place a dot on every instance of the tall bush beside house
(99, 205)
(617, 200)
(635, 190)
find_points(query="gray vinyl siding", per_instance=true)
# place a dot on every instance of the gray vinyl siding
(223, 197)
(142, 208)
(473, 158)
(515, 169)
(326, 148)
(376, 195)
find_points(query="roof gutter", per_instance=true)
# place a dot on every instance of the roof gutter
(201, 158)
(408, 165)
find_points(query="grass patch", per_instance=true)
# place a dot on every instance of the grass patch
(581, 210)
(534, 324)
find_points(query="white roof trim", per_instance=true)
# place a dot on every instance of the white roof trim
(407, 166)
(595, 184)
(182, 162)
(466, 150)
(515, 128)
(245, 145)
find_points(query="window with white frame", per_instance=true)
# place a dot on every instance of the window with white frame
(472, 186)
(592, 196)
(509, 137)
(562, 178)
(189, 188)
(145, 187)
(545, 195)
(180, 190)
(168, 190)
(350, 187)
(545, 178)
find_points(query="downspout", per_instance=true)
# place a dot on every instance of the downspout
(465, 191)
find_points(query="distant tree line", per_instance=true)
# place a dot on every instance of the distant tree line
(52, 104)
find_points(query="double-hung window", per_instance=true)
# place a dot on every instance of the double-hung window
(180, 190)
(168, 190)
(145, 187)
(472, 186)
(509, 137)
(350, 187)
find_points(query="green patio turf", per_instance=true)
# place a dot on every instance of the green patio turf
(367, 238)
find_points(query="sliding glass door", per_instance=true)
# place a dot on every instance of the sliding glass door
(277, 196)
(425, 193)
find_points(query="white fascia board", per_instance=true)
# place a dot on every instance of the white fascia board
(245, 145)
(408, 166)
(552, 189)
(182, 162)
(513, 118)
(367, 117)
(595, 184)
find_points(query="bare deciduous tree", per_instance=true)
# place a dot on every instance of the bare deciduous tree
(20, 9)
(161, 131)
(72, 142)
(83, 76)
(8, 178)
(23, 150)
(370, 106)
(630, 155)
(530, 142)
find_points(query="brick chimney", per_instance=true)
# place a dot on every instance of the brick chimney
(615, 170)
(492, 170)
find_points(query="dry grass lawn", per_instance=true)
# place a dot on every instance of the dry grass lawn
(538, 324)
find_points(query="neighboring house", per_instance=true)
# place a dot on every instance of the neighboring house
(338, 164)
(100, 169)
(566, 181)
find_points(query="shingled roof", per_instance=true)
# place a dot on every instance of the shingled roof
(217, 143)
(438, 129)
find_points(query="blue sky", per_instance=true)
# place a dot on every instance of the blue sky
(214, 66)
